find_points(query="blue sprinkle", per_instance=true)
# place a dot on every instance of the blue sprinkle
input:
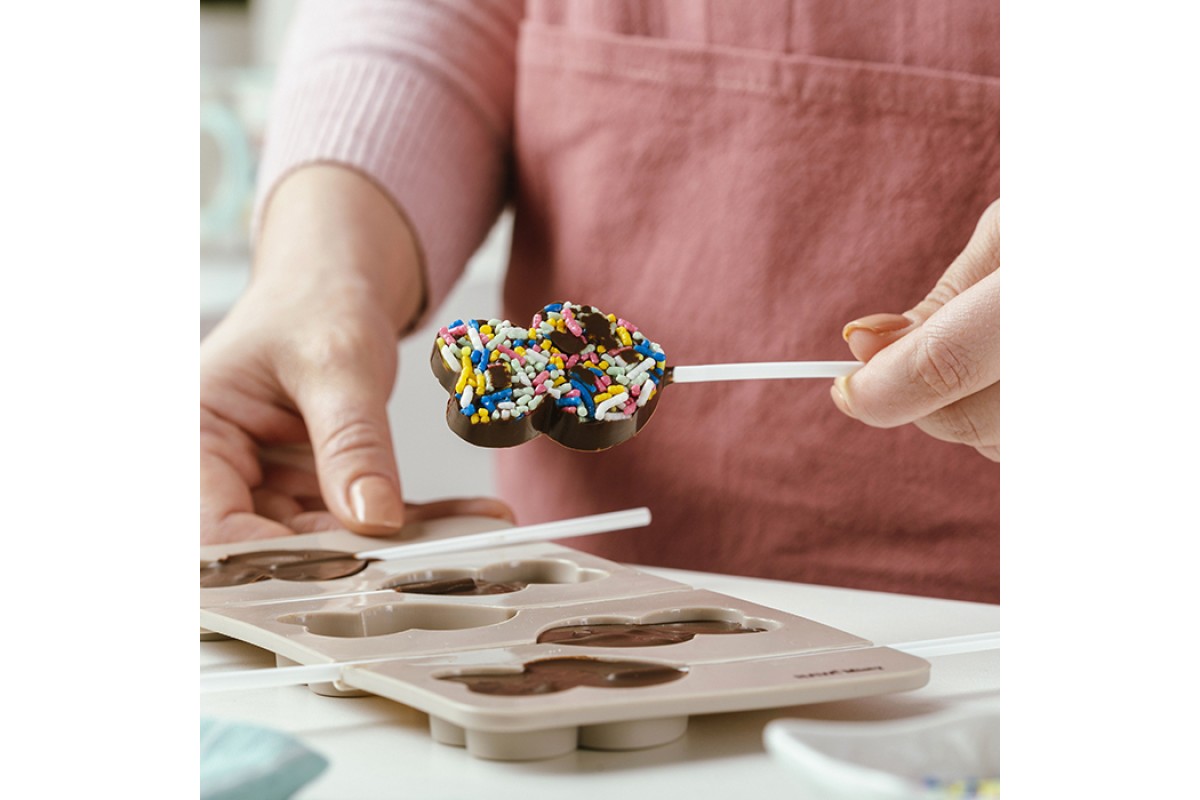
(469, 410)
(456, 323)
(474, 323)
(553, 307)
(489, 400)
(568, 401)
(476, 357)
(586, 396)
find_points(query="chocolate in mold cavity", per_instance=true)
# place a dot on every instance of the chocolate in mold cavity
(639, 635)
(459, 586)
(286, 565)
(559, 674)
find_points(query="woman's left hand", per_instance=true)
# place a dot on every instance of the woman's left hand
(936, 366)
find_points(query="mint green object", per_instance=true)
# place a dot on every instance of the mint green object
(246, 762)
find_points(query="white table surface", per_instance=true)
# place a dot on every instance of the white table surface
(378, 748)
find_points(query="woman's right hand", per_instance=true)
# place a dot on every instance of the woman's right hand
(294, 382)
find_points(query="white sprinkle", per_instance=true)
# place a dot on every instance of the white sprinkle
(451, 362)
(643, 367)
(605, 405)
(473, 335)
(467, 396)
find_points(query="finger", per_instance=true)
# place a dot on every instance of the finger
(227, 469)
(955, 353)
(346, 415)
(314, 522)
(227, 508)
(868, 335)
(974, 420)
(461, 507)
(294, 481)
(980, 258)
(275, 505)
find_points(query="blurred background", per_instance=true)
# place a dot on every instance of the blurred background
(240, 43)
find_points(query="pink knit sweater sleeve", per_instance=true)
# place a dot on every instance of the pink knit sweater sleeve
(415, 94)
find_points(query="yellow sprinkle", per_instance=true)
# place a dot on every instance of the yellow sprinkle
(519, 350)
(559, 381)
(479, 384)
(483, 415)
(462, 382)
(612, 317)
(599, 348)
(603, 365)
(474, 419)
(495, 355)
(485, 328)
(600, 398)
(626, 339)
(561, 325)
(616, 388)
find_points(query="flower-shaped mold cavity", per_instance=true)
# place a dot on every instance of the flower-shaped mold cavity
(382, 620)
(502, 578)
(587, 379)
(286, 565)
(550, 675)
(654, 630)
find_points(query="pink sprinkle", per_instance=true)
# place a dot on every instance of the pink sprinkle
(627, 325)
(605, 380)
(459, 330)
(540, 378)
(593, 357)
(572, 361)
(537, 319)
(635, 390)
(629, 408)
(572, 393)
(539, 389)
(445, 334)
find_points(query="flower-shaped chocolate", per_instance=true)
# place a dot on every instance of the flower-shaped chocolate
(586, 379)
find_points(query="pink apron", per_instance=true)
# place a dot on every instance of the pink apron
(741, 203)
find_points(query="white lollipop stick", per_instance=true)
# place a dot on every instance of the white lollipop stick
(268, 677)
(952, 645)
(768, 370)
(559, 529)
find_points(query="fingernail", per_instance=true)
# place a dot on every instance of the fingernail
(374, 501)
(876, 323)
(839, 394)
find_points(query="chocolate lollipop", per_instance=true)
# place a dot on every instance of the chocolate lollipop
(586, 379)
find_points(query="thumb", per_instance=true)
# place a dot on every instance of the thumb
(868, 335)
(346, 416)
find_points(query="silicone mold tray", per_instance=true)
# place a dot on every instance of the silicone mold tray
(572, 650)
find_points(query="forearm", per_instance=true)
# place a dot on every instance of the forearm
(329, 232)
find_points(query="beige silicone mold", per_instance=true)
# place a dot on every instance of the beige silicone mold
(546, 725)
(402, 643)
